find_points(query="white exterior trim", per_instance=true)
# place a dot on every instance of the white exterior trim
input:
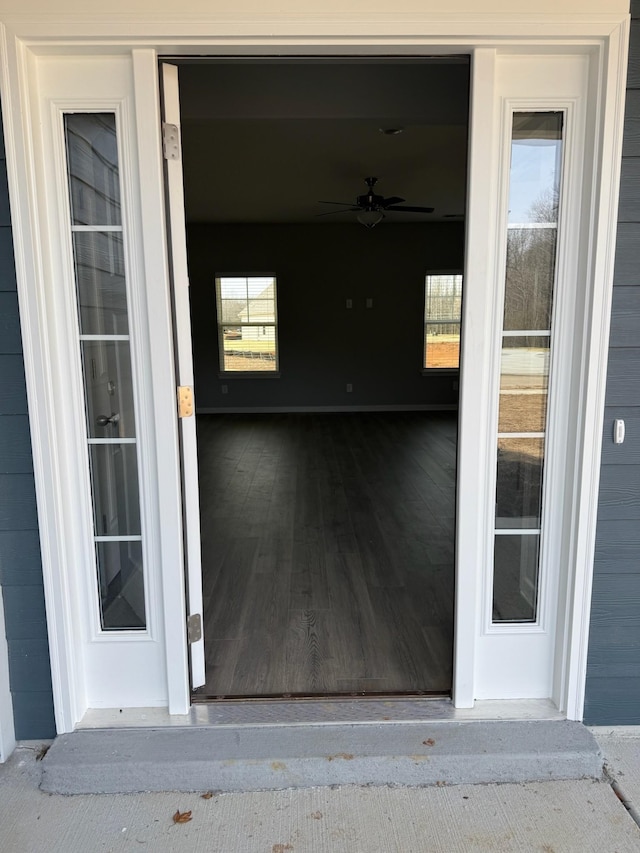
(7, 730)
(66, 671)
(35, 29)
(571, 681)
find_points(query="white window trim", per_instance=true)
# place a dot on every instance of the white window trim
(604, 35)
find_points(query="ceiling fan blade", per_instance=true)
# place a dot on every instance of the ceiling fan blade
(394, 199)
(333, 212)
(411, 209)
(345, 203)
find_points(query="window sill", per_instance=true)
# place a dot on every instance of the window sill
(440, 371)
(247, 374)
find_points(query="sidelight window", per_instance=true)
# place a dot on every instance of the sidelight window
(104, 344)
(535, 172)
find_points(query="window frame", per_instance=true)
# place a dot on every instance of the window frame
(258, 324)
(425, 369)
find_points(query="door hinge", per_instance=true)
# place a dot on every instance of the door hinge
(194, 628)
(185, 401)
(170, 141)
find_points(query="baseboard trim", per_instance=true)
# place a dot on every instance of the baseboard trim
(256, 410)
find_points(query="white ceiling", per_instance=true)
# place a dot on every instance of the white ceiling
(268, 142)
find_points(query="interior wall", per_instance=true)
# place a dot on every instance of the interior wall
(322, 344)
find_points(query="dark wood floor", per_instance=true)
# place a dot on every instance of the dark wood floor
(327, 552)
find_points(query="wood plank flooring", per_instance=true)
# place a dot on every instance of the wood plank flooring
(328, 561)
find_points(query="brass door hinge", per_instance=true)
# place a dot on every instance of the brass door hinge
(185, 401)
(194, 628)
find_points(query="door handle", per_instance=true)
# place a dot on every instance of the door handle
(105, 420)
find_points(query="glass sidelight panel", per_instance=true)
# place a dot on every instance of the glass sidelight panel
(530, 272)
(531, 254)
(105, 355)
(116, 501)
(519, 482)
(92, 163)
(101, 283)
(108, 388)
(121, 582)
(515, 578)
(524, 380)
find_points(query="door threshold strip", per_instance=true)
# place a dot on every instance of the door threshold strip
(319, 712)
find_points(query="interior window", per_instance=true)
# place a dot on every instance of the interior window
(247, 323)
(442, 303)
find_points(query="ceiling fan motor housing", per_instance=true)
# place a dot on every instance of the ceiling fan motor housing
(370, 201)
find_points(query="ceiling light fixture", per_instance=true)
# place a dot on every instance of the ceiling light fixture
(370, 218)
(391, 131)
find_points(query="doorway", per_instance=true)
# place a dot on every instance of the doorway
(124, 668)
(327, 466)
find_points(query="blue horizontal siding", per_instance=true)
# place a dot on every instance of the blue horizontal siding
(29, 668)
(7, 263)
(26, 604)
(617, 546)
(15, 445)
(20, 563)
(612, 701)
(5, 215)
(10, 341)
(19, 559)
(628, 240)
(34, 714)
(13, 400)
(18, 502)
(613, 666)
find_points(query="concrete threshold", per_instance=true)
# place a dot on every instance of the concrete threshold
(264, 757)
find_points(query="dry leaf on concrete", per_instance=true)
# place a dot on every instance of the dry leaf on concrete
(181, 817)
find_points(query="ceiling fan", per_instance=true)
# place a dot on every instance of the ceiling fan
(370, 207)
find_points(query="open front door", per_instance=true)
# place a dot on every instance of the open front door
(184, 364)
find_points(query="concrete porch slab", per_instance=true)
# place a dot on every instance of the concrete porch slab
(254, 758)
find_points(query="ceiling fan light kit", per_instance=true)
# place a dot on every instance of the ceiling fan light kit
(370, 208)
(370, 218)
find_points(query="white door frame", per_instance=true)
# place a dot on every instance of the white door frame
(184, 358)
(603, 36)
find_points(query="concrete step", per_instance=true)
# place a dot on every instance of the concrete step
(273, 757)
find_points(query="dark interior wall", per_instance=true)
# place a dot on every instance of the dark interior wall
(20, 566)
(613, 667)
(322, 344)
